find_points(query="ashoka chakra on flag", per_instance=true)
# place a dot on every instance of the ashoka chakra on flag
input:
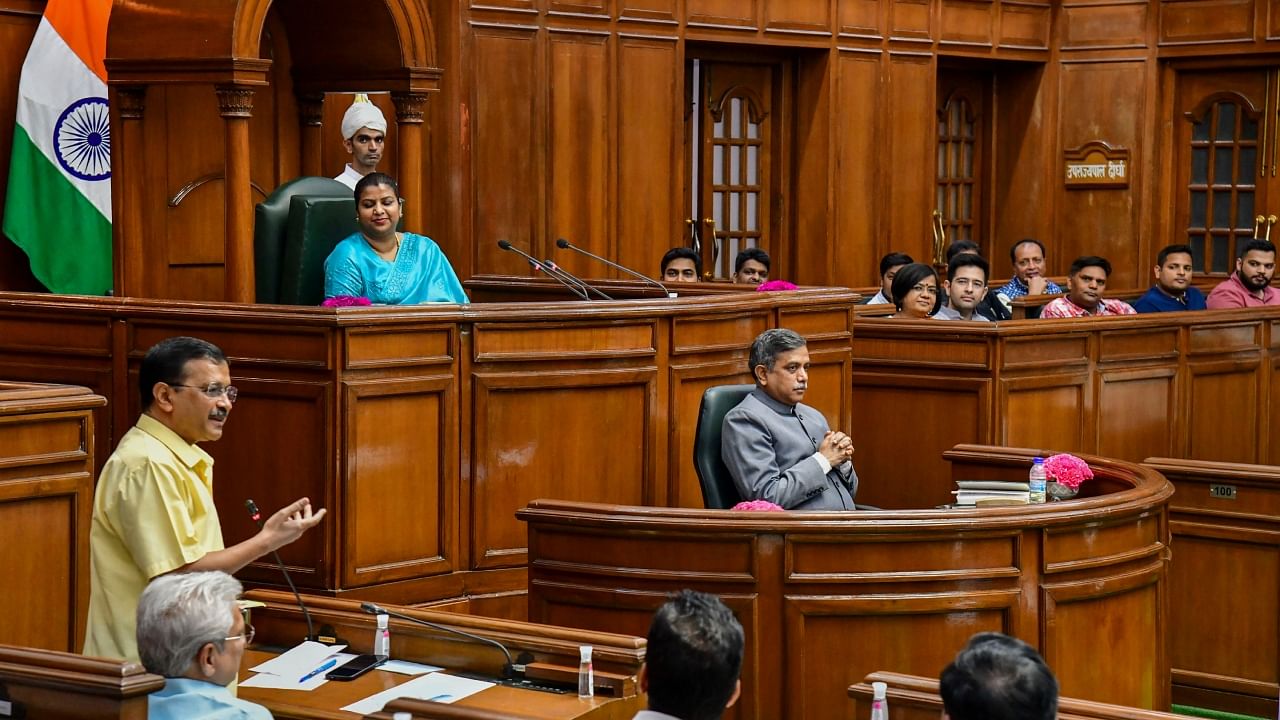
(82, 139)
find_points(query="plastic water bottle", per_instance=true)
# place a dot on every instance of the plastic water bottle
(382, 638)
(586, 677)
(1037, 480)
(879, 703)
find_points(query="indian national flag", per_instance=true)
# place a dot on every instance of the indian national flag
(58, 206)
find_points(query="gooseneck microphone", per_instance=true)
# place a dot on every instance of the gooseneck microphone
(256, 516)
(509, 668)
(582, 294)
(579, 281)
(566, 245)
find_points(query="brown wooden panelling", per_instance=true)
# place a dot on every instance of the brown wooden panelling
(1219, 431)
(1197, 21)
(687, 383)
(722, 12)
(18, 22)
(860, 17)
(857, 217)
(579, 155)
(970, 22)
(648, 9)
(812, 16)
(650, 169)
(1024, 26)
(1135, 411)
(910, 20)
(1089, 25)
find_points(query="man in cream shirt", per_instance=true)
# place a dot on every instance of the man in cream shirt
(364, 131)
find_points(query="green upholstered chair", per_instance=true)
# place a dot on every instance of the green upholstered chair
(270, 229)
(718, 490)
(316, 225)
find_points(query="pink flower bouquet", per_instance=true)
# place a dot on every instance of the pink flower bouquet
(775, 285)
(346, 301)
(758, 506)
(1067, 470)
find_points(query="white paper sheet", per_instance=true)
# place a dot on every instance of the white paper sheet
(437, 687)
(404, 667)
(300, 660)
(292, 682)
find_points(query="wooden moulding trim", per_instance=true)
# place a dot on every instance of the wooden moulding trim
(1223, 683)
(169, 71)
(1208, 470)
(96, 676)
(642, 572)
(1152, 550)
(28, 397)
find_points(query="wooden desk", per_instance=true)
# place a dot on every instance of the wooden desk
(1199, 385)
(423, 429)
(826, 598)
(1224, 582)
(917, 698)
(552, 655)
(51, 685)
(46, 502)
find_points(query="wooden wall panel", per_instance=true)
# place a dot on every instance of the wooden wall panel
(650, 171)
(1103, 101)
(910, 20)
(856, 239)
(722, 12)
(911, 140)
(581, 188)
(809, 15)
(508, 184)
(687, 383)
(1217, 430)
(1137, 412)
(1024, 184)
(647, 10)
(1115, 25)
(1198, 21)
(1024, 26)
(967, 22)
(41, 524)
(18, 22)
(860, 18)
(1059, 396)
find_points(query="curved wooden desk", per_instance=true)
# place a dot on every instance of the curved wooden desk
(826, 598)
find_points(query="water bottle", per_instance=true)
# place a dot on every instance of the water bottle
(879, 703)
(586, 678)
(382, 638)
(1037, 480)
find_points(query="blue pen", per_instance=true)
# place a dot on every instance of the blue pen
(325, 666)
(438, 698)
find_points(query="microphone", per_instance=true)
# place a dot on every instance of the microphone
(509, 668)
(583, 283)
(256, 516)
(566, 245)
(582, 294)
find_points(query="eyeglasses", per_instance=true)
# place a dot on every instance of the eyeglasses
(213, 391)
(926, 289)
(247, 635)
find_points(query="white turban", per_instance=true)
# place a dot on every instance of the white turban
(362, 114)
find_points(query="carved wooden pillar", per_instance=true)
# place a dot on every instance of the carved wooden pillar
(311, 117)
(410, 108)
(127, 185)
(235, 104)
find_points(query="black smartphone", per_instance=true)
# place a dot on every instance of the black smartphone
(358, 666)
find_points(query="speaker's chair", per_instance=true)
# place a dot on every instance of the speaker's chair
(271, 220)
(718, 490)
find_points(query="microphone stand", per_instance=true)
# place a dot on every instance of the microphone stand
(582, 283)
(581, 294)
(566, 245)
(509, 668)
(256, 516)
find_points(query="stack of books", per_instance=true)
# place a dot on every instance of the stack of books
(982, 493)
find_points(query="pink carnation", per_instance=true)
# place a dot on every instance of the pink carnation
(1067, 470)
(346, 301)
(776, 285)
(758, 506)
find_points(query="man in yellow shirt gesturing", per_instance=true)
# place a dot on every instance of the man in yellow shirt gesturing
(153, 510)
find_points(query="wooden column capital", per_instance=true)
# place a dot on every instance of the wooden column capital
(410, 107)
(235, 101)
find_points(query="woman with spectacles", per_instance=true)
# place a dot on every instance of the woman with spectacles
(915, 292)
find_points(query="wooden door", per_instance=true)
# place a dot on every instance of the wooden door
(1225, 159)
(963, 140)
(732, 167)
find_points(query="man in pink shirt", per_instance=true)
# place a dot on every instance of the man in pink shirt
(1250, 284)
(1085, 282)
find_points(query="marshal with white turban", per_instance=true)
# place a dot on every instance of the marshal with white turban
(362, 114)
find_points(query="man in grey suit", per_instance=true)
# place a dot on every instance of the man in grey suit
(777, 448)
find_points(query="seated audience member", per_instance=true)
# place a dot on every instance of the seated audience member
(1028, 273)
(966, 288)
(693, 659)
(779, 449)
(751, 267)
(997, 677)
(681, 264)
(1086, 281)
(990, 308)
(915, 292)
(889, 266)
(1172, 291)
(386, 266)
(1250, 284)
(191, 631)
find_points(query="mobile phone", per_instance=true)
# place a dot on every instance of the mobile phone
(353, 669)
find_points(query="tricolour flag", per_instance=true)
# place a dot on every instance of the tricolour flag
(58, 205)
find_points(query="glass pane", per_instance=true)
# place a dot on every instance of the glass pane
(1200, 165)
(955, 114)
(951, 203)
(966, 169)
(1221, 209)
(717, 209)
(1200, 130)
(735, 118)
(753, 130)
(965, 210)
(1196, 241)
(953, 163)
(717, 130)
(753, 211)
(1244, 210)
(1222, 157)
(968, 131)
(937, 203)
(753, 161)
(1199, 208)
(942, 128)
(1248, 163)
(942, 161)
(735, 164)
(735, 222)
(1248, 128)
(1221, 254)
(717, 164)
(1226, 121)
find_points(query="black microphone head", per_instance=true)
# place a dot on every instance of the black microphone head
(371, 608)
(562, 244)
(504, 244)
(252, 507)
